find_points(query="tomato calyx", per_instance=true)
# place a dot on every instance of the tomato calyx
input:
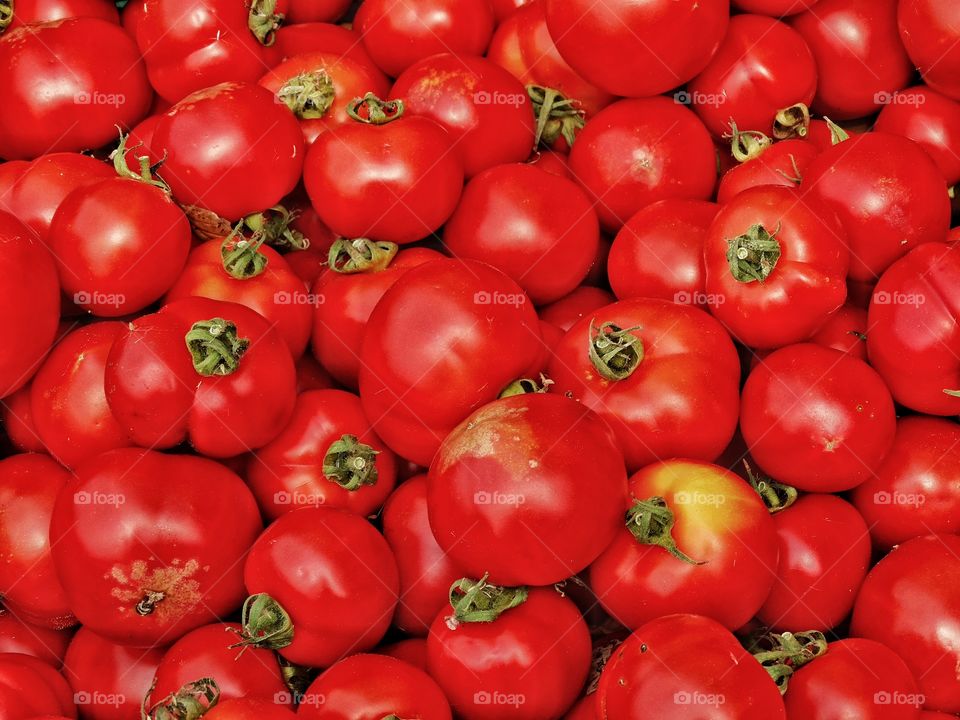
(190, 702)
(479, 601)
(241, 256)
(350, 463)
(776, 496)
(790, 122)
(556, 115)
(837, 133)
(147, 171)
(746, 144)
(265, 624)
(615, 352)
(753, 255)
(215, 346)
(309, 95)
(371, 110)
(782, 654)
(6, 14)
(297, 678)
(264, 21)
(651, 522)
(526, 386)
(360, 255)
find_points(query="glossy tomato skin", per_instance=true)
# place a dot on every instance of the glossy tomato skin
(571, 308)
(217, 157)
(30, 688)
(136, 524)
(931, 120)
(411, 650)
(806, 284)
(315, 11)
(928, 31)
(528, 664)
(845, 330)
(774, 8)
(910, 601)
(441, 372)
(681, 401)
(371, 687)
(886, 220)
(300, 38)
(683, 667)
(529, 489)
(539, 229)
(83, 101)
(47, 644)
(336, 577)
(26, 12)
(816, 418)
(16, 414)
(485, 110)
(782, 163)
(762, 66)
(635, 152)
(249, 709)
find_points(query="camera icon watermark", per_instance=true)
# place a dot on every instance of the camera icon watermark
(684, 697)
(884, 497)
(99, 98)
(285, 297)
(686, 97)
(884, 697)
(87, 298)
(483, 697)
(85, 497)
(685, 497)
(483, 297)
(884, 297)
(899, 98)
(484, 497)
(297, 497)
(684, 297)
(484, 97)
(85, 697)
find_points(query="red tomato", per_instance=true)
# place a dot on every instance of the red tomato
(10, 173)
(213, 373)
(817, 418)
(846, 331)
(310, 262)
(16, 414)
(571, 308)
(774, 8)
(141, 550)
(139, 141)
(103, 86)
(47, 644)
(539, 229)
(910, 601)
(486, 110)
(782, 163)
(664, 376)
(303, 38)
(315, 11)
(30, 688)
(928, 29)
(249, 709)
(552, 162)
(412, 651)
(635, 152)
(373, 687)
(27, 12)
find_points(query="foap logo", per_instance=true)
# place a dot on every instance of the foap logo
(899, 698)
(685, 97)
(499, 698)
(483, 297)
(85, 497)
(100, 98)
(482, 497)
(99, 698)
(698, 698)
(100, 299)
(484, 97)
(282, 497)
(883, 297)
(285, 697)
(915, 500)
(699, 298)
(899, 98)
(685, 497)
(285, 297)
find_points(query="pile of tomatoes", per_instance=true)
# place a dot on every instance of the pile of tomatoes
(479, 359)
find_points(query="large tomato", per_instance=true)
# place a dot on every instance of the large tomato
(308, 37)
(249, 709)
(27, 12)
(929, 119)
(845, 330)
(782, 163)
(30, 689)
(774, 8)
(929, 30)
(570, 309)
(47, 644)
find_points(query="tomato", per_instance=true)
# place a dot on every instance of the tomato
(885, 220)
(635, 152)
(10, 173)
(218, 157)
(308, 263)
(16, 414)
(539, 229)
(910, 601)
(327, 455)
(774, 8)
(30, 688)
(26, 12)
(315, 11)
(109, 681)
(83, 102)
(411, 650)
(782, 163)
(29, 302)
(47, 644)
(929, 119)
(372, 687)
(486, 110)
(845, 330)
(571, 308)
(398, 34)
(249, 709)
(303, 38)
(664, 376)
(686, 667)
(529, 661)
(422, 373)
(817, 418)
(509, 495)
(333, 575)
(213, 373)
(775, 267)
(762, 67)
(928, 29)
(916, 490)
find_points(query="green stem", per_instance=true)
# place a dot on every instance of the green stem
(615, 352)
(782, 654)
(747, 144)
(479, 601)
(379, 112)
(263, 21)
(793, 121)
(651, 522)
(275, 225)
(6, 14)
(215, 347)
(241, 256)
(297, 678)
(776, 496)
(360, 255)
(119, 157)
(526, 386)
(556, 116)
(952, 393)
(190, 702)
(350, 463)
(265, 624)
(309, 95)
(753, 255)
(837, 133)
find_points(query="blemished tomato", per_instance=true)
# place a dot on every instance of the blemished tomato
(218, 156)
(817, 418)
(686, 667)
(26, 12)
(30, 688)
(782, 163)
(928, 29)
(300, 38)
(571, 308)
(526, 663)
(103, 85)
(529, 489)
(774, 8)
(692, 531)
(143, 553)
(333, 575)
(635, 152)
(664, 376)
(883, 221)
(47, 644)
(210, 372)
(775, 267)
(484, 108)
(762, 67)
(629, 49)
(373, 687)
(845, 330)
(422, 373)
(398, 33)
(916, 490)
(537, 228)
(326, 455)
(249, 709)
(910, 602)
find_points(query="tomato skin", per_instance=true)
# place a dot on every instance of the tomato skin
(249, 709)
(287, 473)
(774, 8)
(485, 110)
(783, 163)
(441, 373)
(16, 414)
(816, 418)
(846, 331)
(537, 228)
(315, 11)
(29, 687)
(635, 152)
(928, 29)
(909, 601)
(46, 644)
(571, 308)
(411, 650)
(217, 157)
(371, 687)
(882, 221)
(302, 38)
(26, 12)
(537, 652)
(691, 660)
(929, 119)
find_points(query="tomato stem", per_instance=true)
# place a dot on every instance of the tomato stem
(350, 463)
(557, 116)
(782, 654)
(776, 496)
(651, 522)
(526, 386)
(753, 255)
(190, 702)
(360, 255)
(837, 133)
(378, 112)
(241, 256)
(793, 121)
(615, 352)
(747, 144)
(6, 14)
(146, 174)
(265, 624)
(479, 601)
(263, 21)
(309, 95)
(297, 678)
(215, 347)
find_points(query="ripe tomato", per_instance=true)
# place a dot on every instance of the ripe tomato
(817, 418)
(27, 12)
(775, 267)
(929, 119)
(16, 414)
(635, 152)
(928, 29)
(909, 602)
(782, 163)
(774, 8)
(309, 37)
(664, 376)
(47, 644)
(315, 11)
(539, 229)
(229, 389)
(527, 661)
(142, 552)
(373, 687)
(571, 308)
(29, 688)
(411, 650)
(845, 330)
(249, 709)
